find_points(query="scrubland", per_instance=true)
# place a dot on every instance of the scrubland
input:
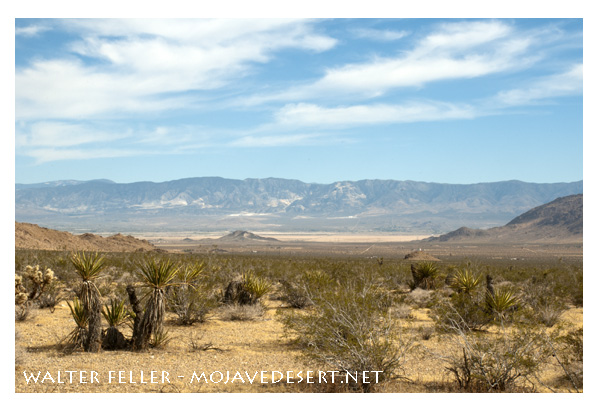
(457, 325)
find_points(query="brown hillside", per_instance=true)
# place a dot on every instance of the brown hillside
(32, 236)
(559, 221)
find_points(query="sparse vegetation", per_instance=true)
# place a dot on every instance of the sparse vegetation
(344, 314)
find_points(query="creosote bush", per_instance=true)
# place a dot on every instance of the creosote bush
(496, 362)
(349, 329)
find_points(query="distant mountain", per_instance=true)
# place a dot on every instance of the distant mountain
(560, 220)
(241, 235)
(214, 203)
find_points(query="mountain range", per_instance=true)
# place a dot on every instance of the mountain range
(561, 220)
(273, 204)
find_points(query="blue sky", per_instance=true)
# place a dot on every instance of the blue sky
(318, 100)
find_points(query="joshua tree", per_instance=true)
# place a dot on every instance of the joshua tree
(89, 266)
(155, 275)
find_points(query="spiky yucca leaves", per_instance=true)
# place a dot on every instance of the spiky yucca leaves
(115, 314)
(424, 275)
(89, 267)
(465, 281)
(77, 337)
(258, 287)
(190, 273)
(501, 302)
(155, 275)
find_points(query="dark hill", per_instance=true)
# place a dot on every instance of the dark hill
(560, 220)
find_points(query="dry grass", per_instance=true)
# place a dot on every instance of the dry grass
(229, 346)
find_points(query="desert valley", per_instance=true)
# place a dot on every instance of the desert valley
(265, 309)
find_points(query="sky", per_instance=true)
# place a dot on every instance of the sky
(318, 100)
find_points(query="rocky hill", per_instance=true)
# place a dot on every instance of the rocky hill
(216, 204)
(32, 236)
(560, 220)
(241, 235)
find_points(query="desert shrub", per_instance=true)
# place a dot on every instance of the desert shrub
(52, 295)
(349, 329)
(544, 306)
(23, 312)
(191, 303)
(190, 297)
(20, 291)
(401, 311)
(419, 298)
(424, 275)
(295, 295)
(426, 332)
(569, 354)
(496, 363)
(241, 312)
(38, 280)
(464, 311)
(246, 289)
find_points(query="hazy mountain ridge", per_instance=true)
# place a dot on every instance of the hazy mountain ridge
(560, 219)
(275, 202)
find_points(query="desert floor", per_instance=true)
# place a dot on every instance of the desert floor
(246, 349)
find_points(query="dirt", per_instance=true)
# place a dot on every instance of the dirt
(257, 348)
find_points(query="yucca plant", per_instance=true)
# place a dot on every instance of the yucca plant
(155, 275)
(465, 281)
(77, 337)
(115, 314)
(89, 267)
(500, 302)
(258, 287)
(190, 273)
(424, 275)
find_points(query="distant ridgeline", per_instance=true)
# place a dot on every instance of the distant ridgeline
(214, 203)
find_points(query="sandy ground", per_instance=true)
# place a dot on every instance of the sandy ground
(255, 351)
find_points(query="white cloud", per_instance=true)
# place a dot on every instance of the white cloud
(49, 154)
(276, 141)
(31, 30)
(454, 51)
(568, 83)
(380, 35)
(62, 134)
(144, 63)
(311, 115)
